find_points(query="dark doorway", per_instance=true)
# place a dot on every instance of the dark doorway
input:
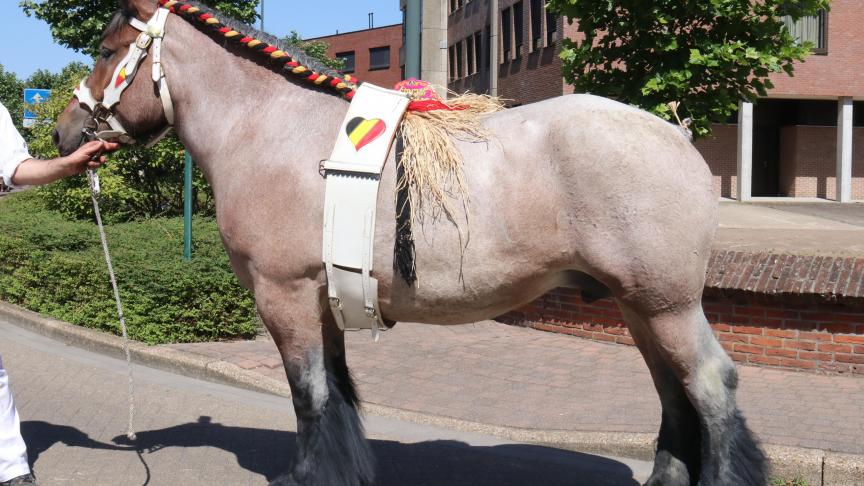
(778, 162)
(768, 117)
(766, 161)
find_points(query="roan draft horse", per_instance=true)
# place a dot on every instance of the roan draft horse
(577, 191)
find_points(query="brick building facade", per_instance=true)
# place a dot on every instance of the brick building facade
(371, 55)
(529, 40)
(529, 70)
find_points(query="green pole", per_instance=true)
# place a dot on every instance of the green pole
(412, 39)
(187, 208)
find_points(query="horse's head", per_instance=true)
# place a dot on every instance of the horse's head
(120, 94)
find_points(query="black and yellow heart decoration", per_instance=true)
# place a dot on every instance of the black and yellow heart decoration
(362, 131)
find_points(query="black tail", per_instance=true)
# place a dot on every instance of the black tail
(747, 463)
(343, 381)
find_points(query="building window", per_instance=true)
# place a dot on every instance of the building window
(348, 59)
(858, 114)
(518, 30)
(459, 61)
(451, 61)
(379, 58)
(506, 33)
(489, 47)
(478, 50)
(452, 6)
(812, 29)
(469, 55)
(536, 24)
(551, 28)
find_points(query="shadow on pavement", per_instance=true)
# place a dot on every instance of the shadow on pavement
(40, 436)
(440, 462)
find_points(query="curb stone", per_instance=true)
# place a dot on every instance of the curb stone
(819, 468)
(845, 469)
(791, 462)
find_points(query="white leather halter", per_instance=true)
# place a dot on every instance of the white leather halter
(102, 112)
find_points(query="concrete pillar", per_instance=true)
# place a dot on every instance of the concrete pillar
(412, 39)
(433, 35)
(844, 149)
(745, 150)
(494, 14)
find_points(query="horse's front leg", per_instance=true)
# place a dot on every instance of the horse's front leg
(331, 447)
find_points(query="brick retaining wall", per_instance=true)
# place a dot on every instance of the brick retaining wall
(783, 311)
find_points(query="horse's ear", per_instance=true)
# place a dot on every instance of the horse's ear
(140, 9)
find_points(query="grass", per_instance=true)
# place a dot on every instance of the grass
(796, 481)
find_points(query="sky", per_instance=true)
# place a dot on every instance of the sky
(26, 44)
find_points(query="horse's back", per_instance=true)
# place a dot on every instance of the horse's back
(591, 149)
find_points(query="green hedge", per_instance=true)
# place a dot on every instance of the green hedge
(56, 267)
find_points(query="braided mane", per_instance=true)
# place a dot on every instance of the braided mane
(275, 54)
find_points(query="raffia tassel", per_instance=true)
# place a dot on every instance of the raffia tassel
(432, 163)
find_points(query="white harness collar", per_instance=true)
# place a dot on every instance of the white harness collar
(102, 111)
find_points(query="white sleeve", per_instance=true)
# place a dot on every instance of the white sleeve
(13, 149)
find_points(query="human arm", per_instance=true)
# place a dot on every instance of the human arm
(33, 172)
(19, 168)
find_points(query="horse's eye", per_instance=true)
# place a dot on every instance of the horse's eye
(106, 53)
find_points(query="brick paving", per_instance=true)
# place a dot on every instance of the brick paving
(503, 375)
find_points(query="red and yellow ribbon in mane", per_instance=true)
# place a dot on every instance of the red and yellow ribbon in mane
(345, 85)
(423, 96)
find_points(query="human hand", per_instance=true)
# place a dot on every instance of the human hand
(88, 156)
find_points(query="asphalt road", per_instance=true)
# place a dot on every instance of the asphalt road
(73, 409)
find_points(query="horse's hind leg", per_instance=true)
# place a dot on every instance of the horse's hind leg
(331, 447)
(676, 460)
(693, 375)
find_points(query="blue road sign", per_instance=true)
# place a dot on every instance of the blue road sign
(34, 96)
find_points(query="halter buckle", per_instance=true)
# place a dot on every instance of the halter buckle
(144, 40)
(100, 112)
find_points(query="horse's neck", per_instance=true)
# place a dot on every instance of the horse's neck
(223, 102)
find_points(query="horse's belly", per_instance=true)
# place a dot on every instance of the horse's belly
(455, 304)
(503, 267)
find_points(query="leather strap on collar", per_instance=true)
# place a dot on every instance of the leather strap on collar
(152, 33)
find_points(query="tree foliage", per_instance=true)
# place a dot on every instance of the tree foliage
(315, 49)
(705, 54)
(12, 88)
(11, 95)
(79, 25)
